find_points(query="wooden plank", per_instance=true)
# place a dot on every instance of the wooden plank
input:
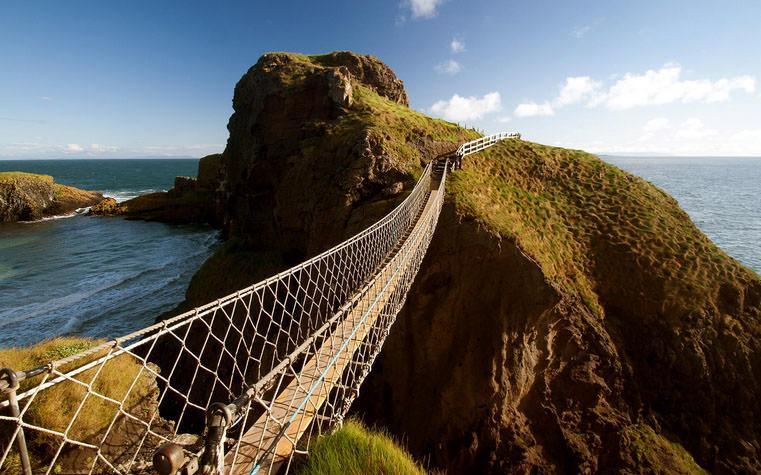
(264, 432)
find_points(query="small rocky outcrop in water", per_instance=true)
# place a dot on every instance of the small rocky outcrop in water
(191, 200)
(569, 317)
(28, 197)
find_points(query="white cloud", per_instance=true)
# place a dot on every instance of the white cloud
(423, 8)
(450, 67)
(656, 125)
(46, 98)
(460, 108)
(653, 87)
(457, 46)
(504, 119)
(532, 109)
(693, 129)
(576, 89)
(43, 150)
(580, 31)
(664, 86)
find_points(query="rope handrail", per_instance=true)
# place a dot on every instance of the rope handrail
(257, 372)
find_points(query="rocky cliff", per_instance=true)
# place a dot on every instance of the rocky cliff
(28, 197)
(191, 199)
(569, 317)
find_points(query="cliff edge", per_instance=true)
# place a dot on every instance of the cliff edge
(568, 317)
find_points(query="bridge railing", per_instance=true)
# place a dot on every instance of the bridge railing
(244, 370)
(484, 142)
(100, 408)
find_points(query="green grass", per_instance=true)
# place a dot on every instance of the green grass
(24, 178)
(54, 408)
(402, 132)
(575, 214)
(650, 449)
(355, 450)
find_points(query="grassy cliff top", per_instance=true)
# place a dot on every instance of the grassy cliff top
(587, 223)
(23, 178)
(378, 109)
(26, 180)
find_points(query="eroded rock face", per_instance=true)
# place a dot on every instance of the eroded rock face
(491, 369)
(276, 190)
(28, 197)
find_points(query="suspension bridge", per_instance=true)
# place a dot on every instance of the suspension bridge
(258, 374)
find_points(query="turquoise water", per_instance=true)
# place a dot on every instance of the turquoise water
(99, 277)
(721, 195)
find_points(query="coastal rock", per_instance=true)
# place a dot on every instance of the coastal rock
(29, 197)
(191, 200)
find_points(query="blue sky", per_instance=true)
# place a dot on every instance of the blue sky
(107, 79)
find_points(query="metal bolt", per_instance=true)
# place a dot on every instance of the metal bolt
(168, 459)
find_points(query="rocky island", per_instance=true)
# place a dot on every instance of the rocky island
(29, 197)
(568, 316)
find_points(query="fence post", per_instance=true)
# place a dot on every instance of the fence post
(9, 376)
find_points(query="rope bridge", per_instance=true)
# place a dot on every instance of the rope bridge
(258, 373)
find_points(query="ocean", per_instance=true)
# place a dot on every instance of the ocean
(97, 277)
(105, 277)
(722, 195)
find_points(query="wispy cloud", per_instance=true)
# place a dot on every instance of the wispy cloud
(457, 46)
(651, 88)
(532, 109)
(574, 90)
(423, 8)
(450, 67)
(16, 119)
(46, 98)
(42, 150)
(581, 31)
(459, 108)
(665, 85)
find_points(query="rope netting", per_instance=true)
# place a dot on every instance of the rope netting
(239, 385)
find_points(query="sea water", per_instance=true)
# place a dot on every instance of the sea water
(91, 276)
(722, 196)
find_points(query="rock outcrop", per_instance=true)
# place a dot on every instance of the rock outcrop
(29, 197)
(191, 200)
(568, 317)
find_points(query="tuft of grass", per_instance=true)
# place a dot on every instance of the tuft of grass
(55, 407)
(355, 450)
(654, 450)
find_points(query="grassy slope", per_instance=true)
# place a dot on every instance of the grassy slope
(355, 450)
(55, 407)
(560, 204)
(576, 215)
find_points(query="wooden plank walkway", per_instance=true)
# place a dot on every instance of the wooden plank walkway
(299, 402)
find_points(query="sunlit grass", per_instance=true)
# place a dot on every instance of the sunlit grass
(355, 450)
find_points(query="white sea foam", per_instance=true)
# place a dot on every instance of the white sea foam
(124, 195)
